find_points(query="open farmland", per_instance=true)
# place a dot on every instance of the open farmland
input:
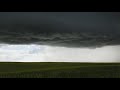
(59, 70)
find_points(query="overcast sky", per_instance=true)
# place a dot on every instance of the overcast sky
(64, 36)
(89, 28)
(104, 21)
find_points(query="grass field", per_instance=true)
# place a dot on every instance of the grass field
(59, 70)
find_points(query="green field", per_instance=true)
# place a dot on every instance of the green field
(59, 70)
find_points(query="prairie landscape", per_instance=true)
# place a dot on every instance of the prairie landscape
(59, 44)
(59, 70)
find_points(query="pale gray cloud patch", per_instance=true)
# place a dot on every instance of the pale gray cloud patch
(42, 53)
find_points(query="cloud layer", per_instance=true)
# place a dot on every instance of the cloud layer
(78, 29)
(73, 39)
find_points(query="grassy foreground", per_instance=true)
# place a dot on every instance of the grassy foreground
(59, 70)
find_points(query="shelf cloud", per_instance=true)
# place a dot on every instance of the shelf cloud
(78, 29)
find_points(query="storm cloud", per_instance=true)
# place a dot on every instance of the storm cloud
(69, 29)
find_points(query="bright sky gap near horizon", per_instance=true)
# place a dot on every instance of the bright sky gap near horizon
(44, 53)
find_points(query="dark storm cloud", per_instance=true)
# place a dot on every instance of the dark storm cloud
(70, 29)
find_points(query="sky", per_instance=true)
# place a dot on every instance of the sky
(43, 53)
(70, 29)
(60, 36)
